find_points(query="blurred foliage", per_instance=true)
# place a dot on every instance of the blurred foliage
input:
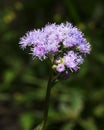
(77, 103)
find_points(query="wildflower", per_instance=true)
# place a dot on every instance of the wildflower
(64, 45)
(63, 42)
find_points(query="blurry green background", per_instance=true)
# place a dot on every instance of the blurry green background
(77, 103)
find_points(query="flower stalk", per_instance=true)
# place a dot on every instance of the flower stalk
(47, 100)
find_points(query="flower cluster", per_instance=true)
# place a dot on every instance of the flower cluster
(64, 42)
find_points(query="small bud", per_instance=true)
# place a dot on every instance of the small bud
(62, 60)
(58, 60)
(54, 67)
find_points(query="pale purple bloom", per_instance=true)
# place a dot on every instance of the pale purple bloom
(52, 47)
(38, 51)
(73, 37)
(26, 40)
(52, 36)
(72, 60)
(79, 60)
(60, 68)
(85, 48)
(69, 42)
(65, 42)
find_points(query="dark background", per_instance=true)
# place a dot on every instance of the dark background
(77, 103)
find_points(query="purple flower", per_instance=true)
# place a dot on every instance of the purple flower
(72, 60)
(63, 42)
(60, 68)
(52, 47)
(26, 40)
(85, 48)
(39, 52)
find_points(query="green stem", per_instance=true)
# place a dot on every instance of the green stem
(47, 99)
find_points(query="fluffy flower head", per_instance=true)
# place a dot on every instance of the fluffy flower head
(64, 42)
